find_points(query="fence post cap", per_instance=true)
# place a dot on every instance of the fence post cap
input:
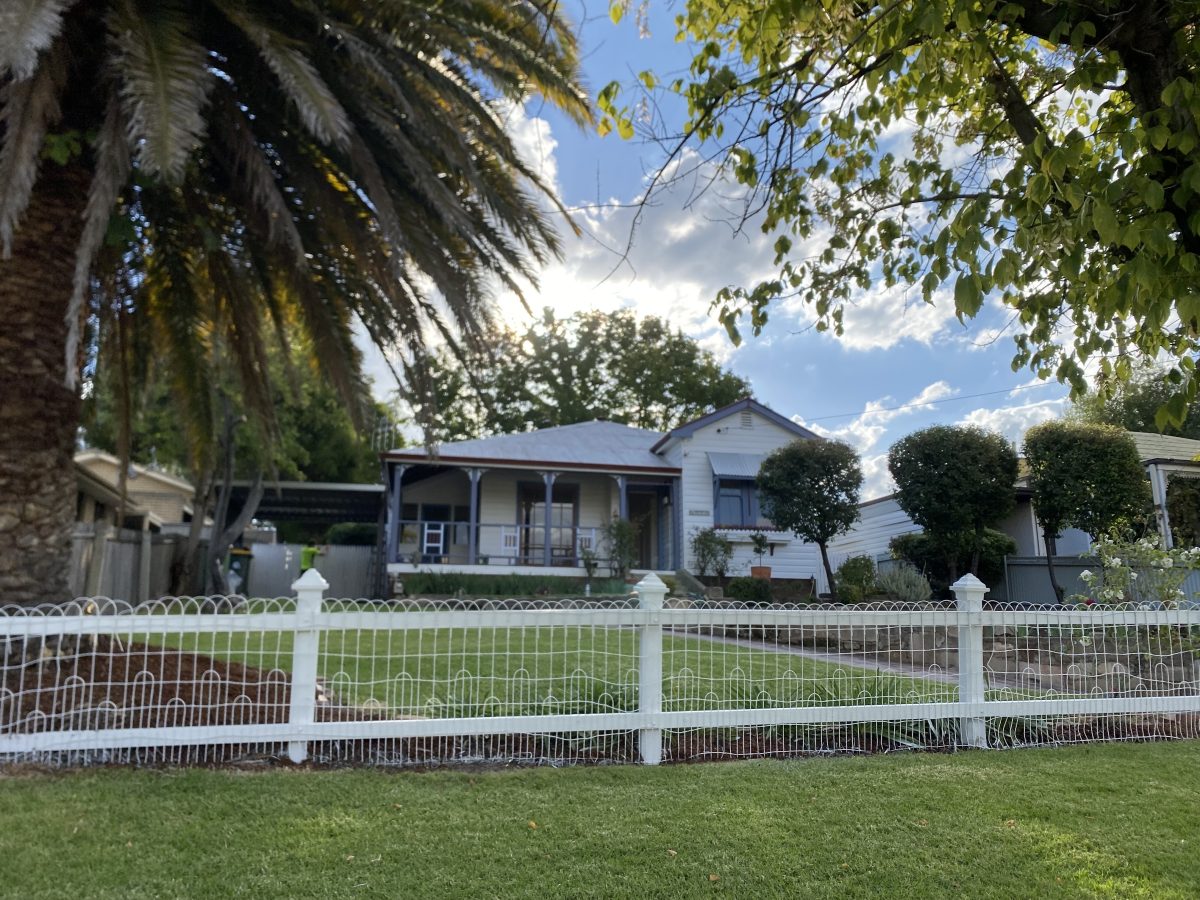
(969, 583)
(310, 580)
(651, 583)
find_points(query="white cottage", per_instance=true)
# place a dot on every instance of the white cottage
(524, 502)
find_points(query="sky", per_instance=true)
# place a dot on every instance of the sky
(901, 364)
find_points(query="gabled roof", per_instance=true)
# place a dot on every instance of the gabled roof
(746, 403)
(602, 446)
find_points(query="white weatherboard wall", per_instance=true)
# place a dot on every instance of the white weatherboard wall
(879, 521)
(793, 558)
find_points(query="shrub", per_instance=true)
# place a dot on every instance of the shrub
(855, 579)
(904, 583)
(499, 586)
(750, 590)
(712, 552)
(620, 541)
(358, 533)
(929, 556)
(1139, 572)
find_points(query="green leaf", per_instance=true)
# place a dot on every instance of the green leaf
(968, 298)
(1105, 222)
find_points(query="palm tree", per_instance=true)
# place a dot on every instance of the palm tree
(179, 180)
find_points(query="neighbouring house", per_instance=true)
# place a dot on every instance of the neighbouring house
(538, 499)
(882, 519)
(96, 501)
(165, 499)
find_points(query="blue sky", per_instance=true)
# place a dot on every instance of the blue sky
(897, 350)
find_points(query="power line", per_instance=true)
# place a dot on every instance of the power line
(1010, 391)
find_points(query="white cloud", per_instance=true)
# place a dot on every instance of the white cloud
(1014, 421)
(886, 316)
(866, 430)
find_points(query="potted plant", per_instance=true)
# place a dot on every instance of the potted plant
(761, 545)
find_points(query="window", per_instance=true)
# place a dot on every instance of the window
(737, 504)
(564, 513)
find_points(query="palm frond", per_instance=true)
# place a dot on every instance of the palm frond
(27, 27)
(27, 110)
(164, 76)
(254, 174)
(110, 175)
(320, 111)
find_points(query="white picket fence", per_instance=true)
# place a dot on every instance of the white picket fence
(647, 679)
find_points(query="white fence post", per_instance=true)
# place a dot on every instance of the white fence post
(969, 591)
(651, 592)
(306, 639)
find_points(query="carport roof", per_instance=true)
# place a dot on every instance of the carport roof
(312, 501)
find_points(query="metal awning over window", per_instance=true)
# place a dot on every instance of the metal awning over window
(735, 465)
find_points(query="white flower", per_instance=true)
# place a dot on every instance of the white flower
(1086, 574)
(1133, 576)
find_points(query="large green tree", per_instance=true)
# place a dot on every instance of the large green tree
(592, 365)
(178, 174)
(811, 488)
(1134, 405)
(954, 481)
(1044, 153)
(1083, 476)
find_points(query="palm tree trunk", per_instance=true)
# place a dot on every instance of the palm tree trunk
(39, 414)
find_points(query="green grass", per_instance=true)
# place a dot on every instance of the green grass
(532, 670)
(1096, 821)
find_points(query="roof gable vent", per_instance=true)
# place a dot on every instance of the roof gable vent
(747, 419)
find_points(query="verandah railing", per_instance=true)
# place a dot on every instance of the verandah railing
(644, 679)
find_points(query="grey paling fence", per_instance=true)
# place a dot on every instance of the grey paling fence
(347, 568)
(645, 679)
(122, 564)
(1027, 579)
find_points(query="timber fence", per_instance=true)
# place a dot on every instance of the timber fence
(646, 678)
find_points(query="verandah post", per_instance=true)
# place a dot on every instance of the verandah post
(969, 591)
(651, 593)
(306, 640)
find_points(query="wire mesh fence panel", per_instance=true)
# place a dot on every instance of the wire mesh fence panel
(204, 680)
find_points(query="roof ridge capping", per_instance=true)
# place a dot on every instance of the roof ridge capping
(746, 403)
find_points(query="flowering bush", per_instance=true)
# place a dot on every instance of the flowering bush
(1138, 572)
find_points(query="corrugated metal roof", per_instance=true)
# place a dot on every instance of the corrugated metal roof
(591, 444)
(735, 465)
(1160, 446)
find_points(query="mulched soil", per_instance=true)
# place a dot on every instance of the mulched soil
(109, 684)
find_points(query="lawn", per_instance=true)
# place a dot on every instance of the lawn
(1117, 820)
(472, 671)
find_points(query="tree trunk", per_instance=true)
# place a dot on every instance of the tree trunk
(222, 541)
(975, 553)
(828, 571)
(184, 581)
(1051, 546)
(39, 415)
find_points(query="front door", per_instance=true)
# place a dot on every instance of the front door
(643, 509)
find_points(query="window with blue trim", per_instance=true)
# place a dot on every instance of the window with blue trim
(736, 504)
